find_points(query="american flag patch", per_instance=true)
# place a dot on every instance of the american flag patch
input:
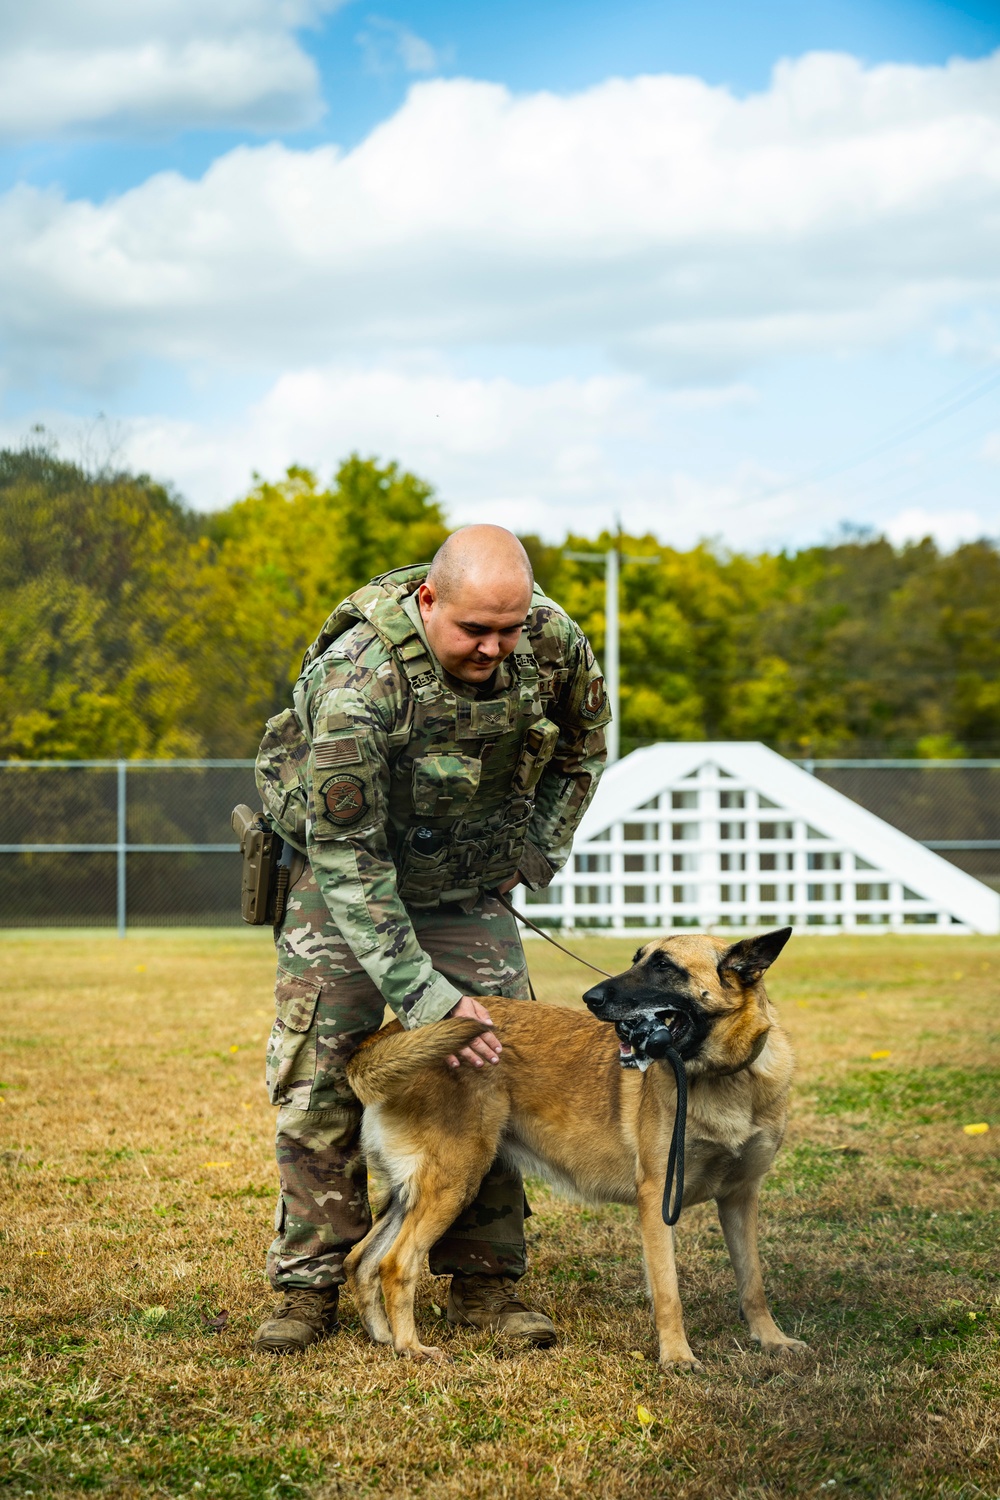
(343, 751)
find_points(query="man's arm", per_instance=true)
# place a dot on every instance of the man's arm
(569, 781)
(348, 721)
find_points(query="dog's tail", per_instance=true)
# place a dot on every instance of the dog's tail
(385, 1064)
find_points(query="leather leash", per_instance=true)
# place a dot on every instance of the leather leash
(542, 933)
(673, 1185)
(674, 1180)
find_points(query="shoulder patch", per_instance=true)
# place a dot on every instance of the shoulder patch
(345, 798)
(342, 751)
(594, 698)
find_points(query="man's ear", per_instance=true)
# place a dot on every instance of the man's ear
(749, 958)
(426, 599)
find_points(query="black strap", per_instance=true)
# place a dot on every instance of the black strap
(674, 1182)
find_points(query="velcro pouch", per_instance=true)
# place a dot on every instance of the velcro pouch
(537, 749)
(443, 786)
(280, 769)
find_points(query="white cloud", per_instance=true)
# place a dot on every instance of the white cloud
(683, 231)
(136, 66)
(551, 457)
(662, 232)
(948, 528)
(389, 45)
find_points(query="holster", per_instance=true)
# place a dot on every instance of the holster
(267, 868)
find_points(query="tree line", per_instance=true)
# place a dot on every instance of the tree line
(133, 626)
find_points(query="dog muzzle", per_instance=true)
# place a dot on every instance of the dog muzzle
(646, 1038)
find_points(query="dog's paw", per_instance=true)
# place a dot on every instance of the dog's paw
(425, 1353)
(685, 1366)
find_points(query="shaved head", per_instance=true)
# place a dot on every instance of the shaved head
(475, 600)
(476, 559)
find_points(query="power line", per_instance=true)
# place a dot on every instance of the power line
(960, 397)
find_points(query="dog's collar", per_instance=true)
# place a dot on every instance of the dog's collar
(747, 1062)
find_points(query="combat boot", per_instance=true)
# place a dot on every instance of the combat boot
(488, 1302)
(305, 1316)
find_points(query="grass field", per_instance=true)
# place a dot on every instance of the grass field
(139, 1191)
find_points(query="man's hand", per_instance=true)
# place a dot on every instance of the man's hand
(485, 1048)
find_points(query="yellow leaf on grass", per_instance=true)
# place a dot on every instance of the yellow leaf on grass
(645, 1416)
(213, 1164)
(877, 1056)
(979, 1129)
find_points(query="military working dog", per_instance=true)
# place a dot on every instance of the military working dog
(586, 1107)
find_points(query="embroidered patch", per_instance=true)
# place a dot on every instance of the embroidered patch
(594, 699)
(486, 718)
(342, 752)
(344, 798)
(490, 717)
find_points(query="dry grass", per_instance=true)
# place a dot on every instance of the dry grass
(139, 1185)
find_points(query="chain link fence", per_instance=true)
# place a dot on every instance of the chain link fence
(149, 843)
(121, 843)
(951, 806)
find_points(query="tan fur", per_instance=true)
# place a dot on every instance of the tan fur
(560, 1105)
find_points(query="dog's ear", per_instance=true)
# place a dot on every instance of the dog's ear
(749, 958)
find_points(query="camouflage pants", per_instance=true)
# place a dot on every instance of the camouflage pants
(325, 1006)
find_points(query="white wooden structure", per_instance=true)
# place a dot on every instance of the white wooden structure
(733, 835)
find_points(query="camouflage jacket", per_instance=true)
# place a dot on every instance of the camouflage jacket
(407, 788)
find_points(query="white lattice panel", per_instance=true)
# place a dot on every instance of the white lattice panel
(733, 835)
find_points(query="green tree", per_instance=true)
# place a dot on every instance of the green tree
(283, 558)
(131, 626)
(95, 626)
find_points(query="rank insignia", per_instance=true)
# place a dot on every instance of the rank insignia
(344, 798)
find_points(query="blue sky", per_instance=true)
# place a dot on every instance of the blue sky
(728, 270)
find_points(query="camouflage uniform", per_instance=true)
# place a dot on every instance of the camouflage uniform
(413, 796)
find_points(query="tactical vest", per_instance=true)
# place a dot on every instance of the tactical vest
(463, 779)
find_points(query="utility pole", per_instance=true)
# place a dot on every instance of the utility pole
(611, 562)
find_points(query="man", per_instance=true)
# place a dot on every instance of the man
(445, 742)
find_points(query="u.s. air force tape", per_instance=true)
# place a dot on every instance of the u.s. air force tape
(345, 799)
